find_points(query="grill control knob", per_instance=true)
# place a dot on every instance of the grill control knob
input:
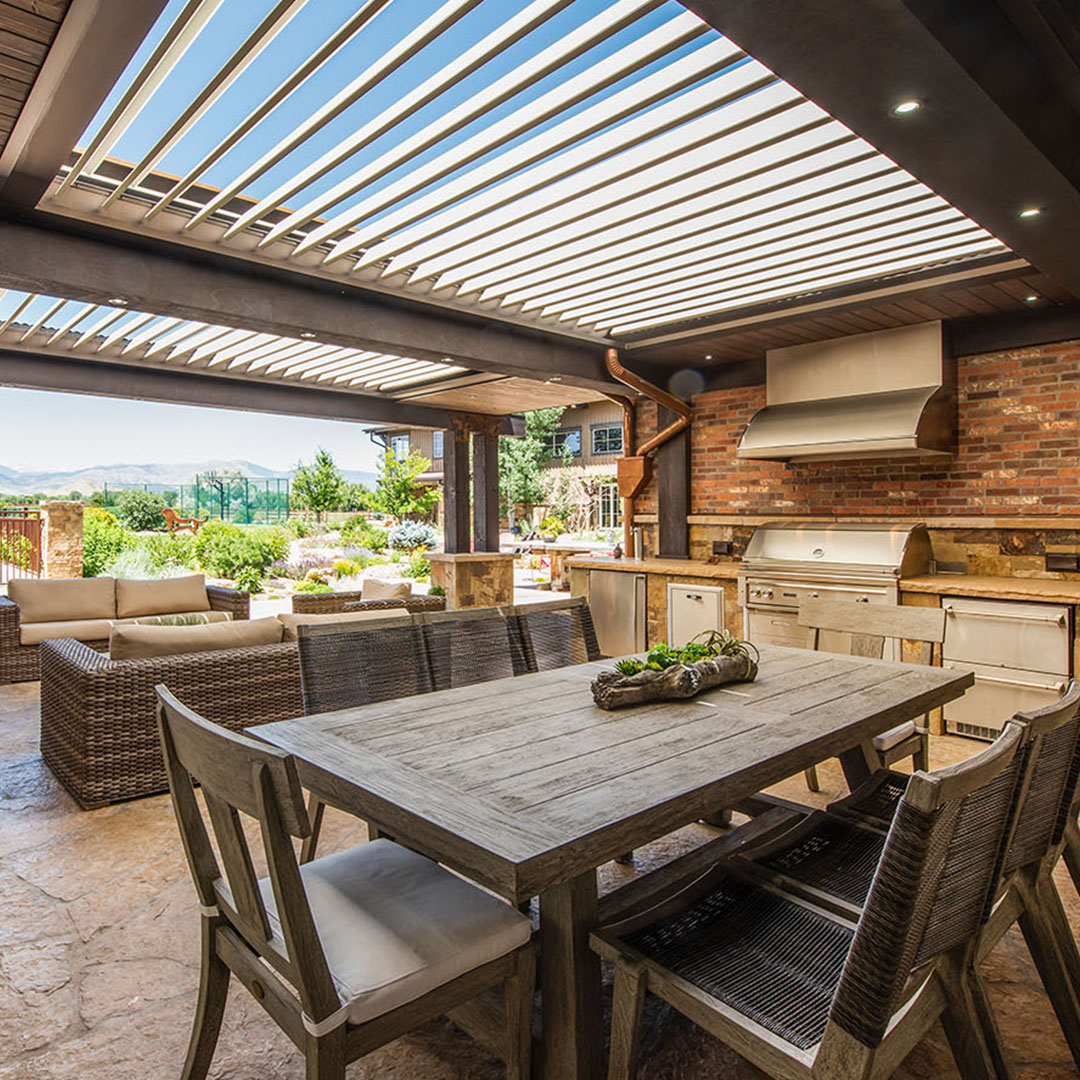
(767, 594)
(862, 600)
(755, 592)
(813, 596)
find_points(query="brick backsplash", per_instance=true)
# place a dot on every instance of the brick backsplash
(1018, 453)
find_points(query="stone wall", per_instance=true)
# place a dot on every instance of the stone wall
(1017, 452)
(62, 539)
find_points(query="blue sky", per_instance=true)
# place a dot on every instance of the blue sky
(54, 432)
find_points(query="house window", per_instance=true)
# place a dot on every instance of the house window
(564, 438)
(609, 507)
(436, 444)
(399, 447)
(607, 439)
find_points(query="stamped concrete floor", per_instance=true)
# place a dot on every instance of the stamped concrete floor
(99, 953)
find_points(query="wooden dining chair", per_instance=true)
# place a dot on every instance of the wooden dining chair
(345, 953)
(871, 626)
(344, 665)
(803, 991)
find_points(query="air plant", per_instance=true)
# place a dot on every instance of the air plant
(705, 646)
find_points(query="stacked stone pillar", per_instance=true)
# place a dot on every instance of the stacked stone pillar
(62, 539)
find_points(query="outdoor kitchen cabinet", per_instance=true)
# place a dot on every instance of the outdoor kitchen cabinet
(1019, 653)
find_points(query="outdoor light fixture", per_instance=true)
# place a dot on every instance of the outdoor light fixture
(1030, 299)
(906, 107)
(306, 333)
(1030, 212)
(117, 301)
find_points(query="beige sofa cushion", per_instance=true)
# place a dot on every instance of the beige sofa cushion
(374, 589)
(181, 618)
(79, 629)
(161, 597)
(129, 641)
(290, 622)
(64, 599)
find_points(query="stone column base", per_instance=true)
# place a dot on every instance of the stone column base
(474, 578)
(62, 539)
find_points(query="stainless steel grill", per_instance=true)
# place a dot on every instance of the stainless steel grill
(788, 562)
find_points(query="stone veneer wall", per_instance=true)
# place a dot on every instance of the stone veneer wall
(1018, 457)
(62, 539)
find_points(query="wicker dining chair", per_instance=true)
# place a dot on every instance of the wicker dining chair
(343, 665)
(801, 991)
(471, 646)
(870, 628)
(555, 635)
(345, 953)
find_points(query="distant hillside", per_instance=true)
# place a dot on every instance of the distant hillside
(94, 477)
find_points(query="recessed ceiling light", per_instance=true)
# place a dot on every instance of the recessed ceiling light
(1031, 299)
(117, 301)
(307, 333)
(906, 107)
(708, 356)
(1030, 212)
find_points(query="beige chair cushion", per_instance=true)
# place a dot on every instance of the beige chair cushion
(290, 622)
(161, 597)
(394, 925)
(894, 736)
(64, 599)
(129, 641)
(180, 618)
(79, 629)
(374, 589)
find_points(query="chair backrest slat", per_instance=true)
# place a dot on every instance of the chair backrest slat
(466, 647)
(940, 866)
(348, 664)
(872, 624)
(240, 776)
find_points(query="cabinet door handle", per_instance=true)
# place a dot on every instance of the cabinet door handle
(1058, 620)
(1056, 688)
(693, 596)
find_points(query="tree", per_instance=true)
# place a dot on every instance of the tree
(141, 510)
(398, 493)
(320, 485)
(522, 459)
(355, 497)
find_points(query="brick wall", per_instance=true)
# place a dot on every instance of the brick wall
(1019, 452)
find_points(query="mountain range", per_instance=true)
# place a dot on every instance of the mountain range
(94, 477)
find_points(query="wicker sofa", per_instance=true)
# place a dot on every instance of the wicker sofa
(334, 603)
(98, 728)
(21, 639)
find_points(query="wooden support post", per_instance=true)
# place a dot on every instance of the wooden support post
(486, 488)
(456, 489)
(673, 491)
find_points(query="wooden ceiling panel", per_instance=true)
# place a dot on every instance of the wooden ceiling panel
(508, 396)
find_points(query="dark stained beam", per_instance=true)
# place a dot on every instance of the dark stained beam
(975, 335)
(154, 275)
(456, 536)
(672, 491)
(90, 51)
(859, 60)
(176, 387)
(486, 489)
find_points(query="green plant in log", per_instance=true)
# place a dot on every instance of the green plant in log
(705, 646)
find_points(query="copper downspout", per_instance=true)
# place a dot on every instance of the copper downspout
(681, 422)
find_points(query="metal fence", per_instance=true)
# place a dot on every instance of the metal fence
(239, 499)
(20, 542)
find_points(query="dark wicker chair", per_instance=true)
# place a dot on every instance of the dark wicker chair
(346, 953)
(471, 646)
(799, 990)
(98, 727)
(19, 663)
(334, 602)
(555, 635)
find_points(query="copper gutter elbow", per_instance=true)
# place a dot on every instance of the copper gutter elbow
(654, 393)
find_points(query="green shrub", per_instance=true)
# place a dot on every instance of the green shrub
(436, 590)
(104, 538)
(410, 535)
(141, 510)
(358, 530)
(248, 579)
(222, 550)
(417, 566)
(170, 551)
(313, 587)
(552, 526)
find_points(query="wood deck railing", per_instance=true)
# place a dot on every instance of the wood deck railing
(20, 542)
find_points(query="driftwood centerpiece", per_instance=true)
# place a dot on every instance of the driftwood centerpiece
(670, 674)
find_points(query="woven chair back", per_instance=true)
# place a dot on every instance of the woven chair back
(471, 646)
(939, 869)
(242, 777)
(348, 664)
(1052, 782)
(556, 635)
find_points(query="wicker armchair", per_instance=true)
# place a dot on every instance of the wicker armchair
(98, 728)
(334, 602)
(801, 991)
(19, 663)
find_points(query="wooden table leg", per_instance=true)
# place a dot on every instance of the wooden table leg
(858, 764)
(572, 1009)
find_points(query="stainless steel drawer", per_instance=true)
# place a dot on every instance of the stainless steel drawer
(1007, 633)
(997, 694)
(775, 628)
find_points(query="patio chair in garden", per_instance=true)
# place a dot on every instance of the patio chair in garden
(799, 989)
(345, 953)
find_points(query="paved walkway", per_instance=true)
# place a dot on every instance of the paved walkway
(99, 952)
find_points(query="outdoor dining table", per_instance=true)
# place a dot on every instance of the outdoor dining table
(526, 787)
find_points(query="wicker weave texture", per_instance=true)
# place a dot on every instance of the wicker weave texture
(335, 602)
(98, 727)
(464, 648)
(559, 637)
(874, 801)
(359, 666)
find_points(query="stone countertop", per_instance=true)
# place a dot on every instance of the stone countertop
(995, 588)
(669, 567)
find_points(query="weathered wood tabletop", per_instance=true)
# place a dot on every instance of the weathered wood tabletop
(525, 786)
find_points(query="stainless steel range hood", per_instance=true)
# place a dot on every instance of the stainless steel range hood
(887, 393)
